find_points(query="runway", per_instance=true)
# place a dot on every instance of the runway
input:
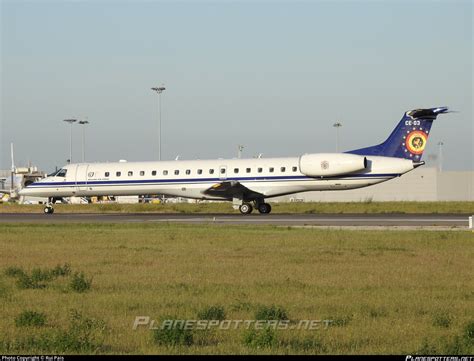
(329, 220)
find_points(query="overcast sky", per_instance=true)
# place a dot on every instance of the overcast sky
(271, 76)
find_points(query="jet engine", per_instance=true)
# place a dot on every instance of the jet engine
(331, 164)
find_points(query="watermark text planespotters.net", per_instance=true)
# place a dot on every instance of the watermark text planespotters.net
(439, 358)
(151, 324)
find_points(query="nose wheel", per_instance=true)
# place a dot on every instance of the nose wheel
(48, 209)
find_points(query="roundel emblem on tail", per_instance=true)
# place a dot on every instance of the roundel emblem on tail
(416, 141)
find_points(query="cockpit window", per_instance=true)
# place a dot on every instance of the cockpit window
(59, 173)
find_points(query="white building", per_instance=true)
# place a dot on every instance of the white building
(421, 184)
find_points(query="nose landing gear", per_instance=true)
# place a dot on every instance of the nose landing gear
(48, 209)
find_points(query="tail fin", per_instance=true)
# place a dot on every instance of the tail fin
(408, 139)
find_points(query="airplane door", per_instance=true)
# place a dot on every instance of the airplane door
(81, 177)
(223, 172)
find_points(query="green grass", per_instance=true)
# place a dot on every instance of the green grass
(270, 313)
(38, 278)
(78, 335)
(400, 292)
(30, 318)
(261, 339)
(216, 312)
(173, 336)
(79, 282)
(225, 207)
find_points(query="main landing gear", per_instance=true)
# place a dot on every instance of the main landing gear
(263, 208)
(245, 208)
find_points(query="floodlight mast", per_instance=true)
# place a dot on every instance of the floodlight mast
(71, 122)
(159, 90)
(337, 125)
(83, 123)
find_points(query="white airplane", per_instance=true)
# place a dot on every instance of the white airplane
(247, 181)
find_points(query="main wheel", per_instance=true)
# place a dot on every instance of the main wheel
(264, 208)
(245, 208)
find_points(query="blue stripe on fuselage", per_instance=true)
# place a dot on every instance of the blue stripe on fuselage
(206, 180)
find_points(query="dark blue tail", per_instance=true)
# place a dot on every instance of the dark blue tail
(408, 139)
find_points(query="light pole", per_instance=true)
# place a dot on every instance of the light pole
(240, 149)
(83, 123)
(71, 122)
(337, 125)
(440, 156)
(159, 90)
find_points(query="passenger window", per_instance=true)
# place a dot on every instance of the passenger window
(211, 171)
(248, 170)
(118, 174)
(188, 171)
(260, 170)
(271, 169)
(153, 172)
(130, 173)
(236, 170)
(142, 173)
(222, 170)
(295, 169)
(176, 172)
(165, 172)
(283, 169)
(199, 171)
(107, 174)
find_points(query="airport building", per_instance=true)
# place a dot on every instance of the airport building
(22, 177)
(421, 184)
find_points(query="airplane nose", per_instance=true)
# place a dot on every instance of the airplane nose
(25, 191)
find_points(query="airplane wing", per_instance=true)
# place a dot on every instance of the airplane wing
(232, 189)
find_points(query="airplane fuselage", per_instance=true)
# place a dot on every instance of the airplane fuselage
(272, 177)
(246, 181)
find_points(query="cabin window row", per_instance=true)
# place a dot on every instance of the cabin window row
(200, 171)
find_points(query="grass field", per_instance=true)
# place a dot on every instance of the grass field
(78, 288)
(225, 207)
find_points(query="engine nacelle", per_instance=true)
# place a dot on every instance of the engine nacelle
(331, 164)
